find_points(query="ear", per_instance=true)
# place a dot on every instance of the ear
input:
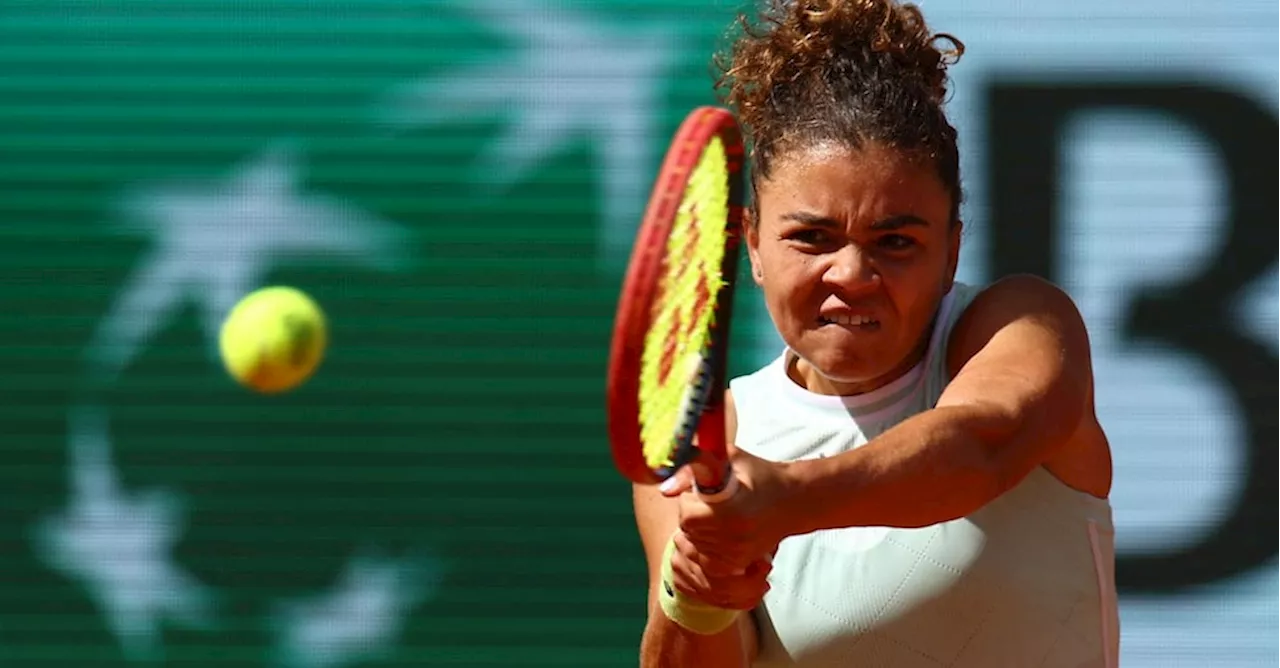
(751, 233)
(953, 252)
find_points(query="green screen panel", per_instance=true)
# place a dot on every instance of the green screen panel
(441, 492)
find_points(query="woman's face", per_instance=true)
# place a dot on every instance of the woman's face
(854, 250)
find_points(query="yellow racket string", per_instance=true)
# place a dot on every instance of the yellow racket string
(681, 327)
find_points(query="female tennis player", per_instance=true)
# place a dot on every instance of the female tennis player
(922, 462)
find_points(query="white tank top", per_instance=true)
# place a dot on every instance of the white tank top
(1027, 581)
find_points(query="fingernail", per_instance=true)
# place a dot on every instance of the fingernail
(668, 485)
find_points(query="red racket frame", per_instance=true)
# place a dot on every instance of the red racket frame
(641, 288)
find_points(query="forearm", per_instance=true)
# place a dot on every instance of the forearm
(667, 645)
(934, 467)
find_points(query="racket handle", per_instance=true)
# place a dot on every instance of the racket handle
(723, 486)
(712, 470)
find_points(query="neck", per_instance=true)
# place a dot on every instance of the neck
(808, 377)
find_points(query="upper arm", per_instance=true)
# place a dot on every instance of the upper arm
(1021, 353)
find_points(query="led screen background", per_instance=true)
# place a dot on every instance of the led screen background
(457, 184)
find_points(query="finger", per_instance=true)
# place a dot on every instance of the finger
(724, 562)
(743, 592)
(687, 577)
(717, 567)
(709, 530)
(710, 537)
(714, 477)
(698, 587)
(728, 567)
(706, 563)
(678, 483)
(708, 522)
(716, 564)
(740, 593)
(707, 545)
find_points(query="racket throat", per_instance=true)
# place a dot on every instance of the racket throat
(692, 407)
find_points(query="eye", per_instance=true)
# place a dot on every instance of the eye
(896, 242)
(810, 237)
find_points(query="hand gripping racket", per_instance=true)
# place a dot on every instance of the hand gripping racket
(671, 333)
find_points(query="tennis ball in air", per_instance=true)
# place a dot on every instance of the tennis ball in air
(273, 339)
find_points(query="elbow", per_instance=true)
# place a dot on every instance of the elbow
(996, 454)
(1004, 472)
(1009, 449)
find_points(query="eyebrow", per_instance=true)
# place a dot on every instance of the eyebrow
(896, 222)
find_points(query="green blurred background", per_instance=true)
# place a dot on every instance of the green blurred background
(456, 184)
(158, 161)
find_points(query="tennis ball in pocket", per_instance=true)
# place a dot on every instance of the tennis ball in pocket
(273, 339)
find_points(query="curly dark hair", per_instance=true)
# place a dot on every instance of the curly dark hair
(848, 71)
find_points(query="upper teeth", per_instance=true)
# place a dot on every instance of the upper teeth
(851, 319)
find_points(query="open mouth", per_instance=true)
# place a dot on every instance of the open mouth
(860, 321)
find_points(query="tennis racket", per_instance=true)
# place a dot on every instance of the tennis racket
(671, 332)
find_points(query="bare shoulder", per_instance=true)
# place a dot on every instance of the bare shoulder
(1023, 343)
(1020, 301)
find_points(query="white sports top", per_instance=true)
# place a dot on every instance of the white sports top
(1027, 581)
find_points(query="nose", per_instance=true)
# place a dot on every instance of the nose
(851, 271)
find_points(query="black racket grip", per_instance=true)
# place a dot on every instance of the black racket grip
(717, 482)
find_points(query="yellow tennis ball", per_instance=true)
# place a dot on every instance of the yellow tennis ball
(273, 339)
